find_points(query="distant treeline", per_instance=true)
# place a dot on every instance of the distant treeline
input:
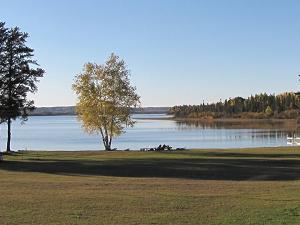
(260, 106)
(71, 110)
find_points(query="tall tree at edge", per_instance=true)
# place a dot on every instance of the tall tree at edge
(3, 36)
(19, 74)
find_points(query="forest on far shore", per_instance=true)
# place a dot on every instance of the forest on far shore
(259, 106)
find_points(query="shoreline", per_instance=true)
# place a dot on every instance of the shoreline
(234, 120)
(288, 147)
(271, 120)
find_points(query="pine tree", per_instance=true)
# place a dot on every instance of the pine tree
(19, 74)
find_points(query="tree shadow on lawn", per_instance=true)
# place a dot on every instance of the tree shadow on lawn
(199, 168)
(243, 155)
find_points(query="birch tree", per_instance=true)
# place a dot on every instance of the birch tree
(105, 98)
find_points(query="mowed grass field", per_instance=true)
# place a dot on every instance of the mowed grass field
(245, 186)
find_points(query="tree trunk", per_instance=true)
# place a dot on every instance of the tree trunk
(107, 148)
(106, 144)
(8, 135)
(110, 138)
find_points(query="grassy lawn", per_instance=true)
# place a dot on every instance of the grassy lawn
(246, 186)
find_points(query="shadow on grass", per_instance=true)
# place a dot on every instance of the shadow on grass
(244, 155)
(238, 169)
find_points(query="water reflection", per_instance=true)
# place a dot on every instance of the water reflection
(265, 129)
(238, 124)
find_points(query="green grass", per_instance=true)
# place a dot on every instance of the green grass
(246, 186)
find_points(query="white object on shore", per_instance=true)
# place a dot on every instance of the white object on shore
(293, 140)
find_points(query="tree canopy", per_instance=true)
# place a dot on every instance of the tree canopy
(105, 97)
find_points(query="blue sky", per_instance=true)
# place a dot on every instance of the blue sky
(179, 52)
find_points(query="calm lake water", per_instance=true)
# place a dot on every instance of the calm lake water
(65, 133)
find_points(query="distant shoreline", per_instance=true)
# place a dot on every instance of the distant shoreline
(225, 120)
(171, 117)
(70, 111)
(232, 120)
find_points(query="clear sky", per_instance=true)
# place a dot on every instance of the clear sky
(179, 52)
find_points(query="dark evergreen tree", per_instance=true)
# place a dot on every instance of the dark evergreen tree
(19, 74)
(3, 36)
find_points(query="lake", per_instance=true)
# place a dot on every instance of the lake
(66, 133)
